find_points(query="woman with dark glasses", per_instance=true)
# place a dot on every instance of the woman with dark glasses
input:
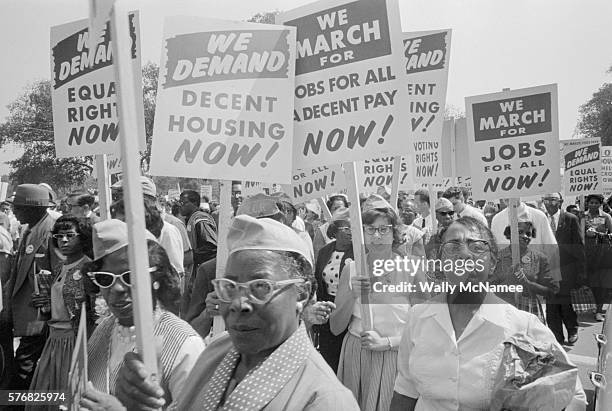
(267, 361)
(445, 215)
(180, 345)
(72, 237)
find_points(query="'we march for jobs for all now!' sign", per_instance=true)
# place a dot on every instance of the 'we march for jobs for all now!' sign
(514, 143)
(350, 92)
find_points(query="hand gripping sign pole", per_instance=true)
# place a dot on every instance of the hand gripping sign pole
(361, 265)
(225, 218)
(103, 186)
(137, 249)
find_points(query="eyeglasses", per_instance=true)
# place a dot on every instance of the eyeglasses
(382, 230)
(345, 230)
(104, 279)
(476, 247)
(69, 236)
(259, 291)
(446, 213)
(551, 200)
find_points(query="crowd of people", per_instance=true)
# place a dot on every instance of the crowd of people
(305, 330)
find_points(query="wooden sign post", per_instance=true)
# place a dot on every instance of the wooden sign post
(103, 186)
(395, 181)
(324, 209)
(128, 92)
(225, 218)
(359, 252)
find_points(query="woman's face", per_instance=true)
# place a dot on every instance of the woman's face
(593, 205)
(336, 205)
(343, 235)
(461, 244)
(378, 235)
(524, 232)
(69, 243)
(255, 328)
(119, 296)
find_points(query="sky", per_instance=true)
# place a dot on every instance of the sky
(496, 44)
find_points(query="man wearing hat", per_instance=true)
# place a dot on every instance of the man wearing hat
(30, 204)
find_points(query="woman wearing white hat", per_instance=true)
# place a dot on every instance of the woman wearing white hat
(115, 335)
(267, 362)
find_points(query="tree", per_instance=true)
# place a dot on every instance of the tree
(30, 125)
(596, 115)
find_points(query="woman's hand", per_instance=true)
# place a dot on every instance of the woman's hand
(41, 301)
(360, 285)
(370, 340)
(520, 275)
(212, 304)
(319, 312)
(136, 388)
(94, 400)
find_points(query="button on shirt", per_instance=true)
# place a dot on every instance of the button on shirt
(449, 374)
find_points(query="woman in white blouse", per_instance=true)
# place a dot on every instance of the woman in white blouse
(452, 346)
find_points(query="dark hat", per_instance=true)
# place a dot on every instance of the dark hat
(31, 195)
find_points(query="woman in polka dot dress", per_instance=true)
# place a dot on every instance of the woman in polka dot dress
(330, 262)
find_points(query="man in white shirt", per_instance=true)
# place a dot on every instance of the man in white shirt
(458, 196)
(423, 222)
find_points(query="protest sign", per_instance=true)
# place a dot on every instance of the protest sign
(3, 190)
(513, 138)
(582, 166)
(173, 193)
(250, 188)
(113, 163)
(206, 191)
(426, 57)
(224, 101)
(350, 93)
(85, 120)
(315, 182)
(77, 376)
(377, 172)
(606, 171)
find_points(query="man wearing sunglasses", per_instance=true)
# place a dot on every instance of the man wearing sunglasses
(445, 215)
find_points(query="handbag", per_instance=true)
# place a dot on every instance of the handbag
(583, 300)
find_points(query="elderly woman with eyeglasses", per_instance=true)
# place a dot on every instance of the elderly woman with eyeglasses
(266, 361)
(115, 336)
(451, 349)
(369, 356)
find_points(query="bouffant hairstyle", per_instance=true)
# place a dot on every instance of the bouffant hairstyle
(83, 228)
